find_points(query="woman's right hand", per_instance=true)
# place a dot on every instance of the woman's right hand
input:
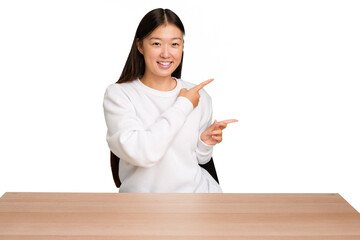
(193, 93)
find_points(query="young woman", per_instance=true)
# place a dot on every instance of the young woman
(159, 125)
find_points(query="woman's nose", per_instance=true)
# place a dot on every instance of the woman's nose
(164, 52)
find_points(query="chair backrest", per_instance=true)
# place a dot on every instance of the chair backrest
(115, 160)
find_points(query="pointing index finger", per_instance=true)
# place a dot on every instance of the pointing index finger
(230, 121)
(203, 84)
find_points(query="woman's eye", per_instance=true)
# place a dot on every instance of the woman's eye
(156, 44)
(175, 44)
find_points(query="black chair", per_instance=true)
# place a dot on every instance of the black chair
(115, 160)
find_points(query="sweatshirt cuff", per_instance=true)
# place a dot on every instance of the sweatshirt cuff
(203, 147)
(184, 105)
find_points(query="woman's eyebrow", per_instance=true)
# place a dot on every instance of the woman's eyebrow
(157, 38)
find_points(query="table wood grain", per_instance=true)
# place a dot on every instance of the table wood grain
(135, 216)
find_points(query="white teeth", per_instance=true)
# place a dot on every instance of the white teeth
(164, 63)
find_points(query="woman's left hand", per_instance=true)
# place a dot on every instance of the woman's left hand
(213, 134)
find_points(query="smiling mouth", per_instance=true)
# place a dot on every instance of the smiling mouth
(164, 63)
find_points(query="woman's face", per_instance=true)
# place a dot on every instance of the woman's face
(162, 51)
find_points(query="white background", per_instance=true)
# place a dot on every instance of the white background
(289, 71)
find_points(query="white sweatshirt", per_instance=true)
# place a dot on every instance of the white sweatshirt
(156, 134)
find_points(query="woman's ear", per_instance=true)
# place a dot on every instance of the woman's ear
(139, 46)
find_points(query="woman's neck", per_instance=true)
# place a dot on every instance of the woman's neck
(158, 83)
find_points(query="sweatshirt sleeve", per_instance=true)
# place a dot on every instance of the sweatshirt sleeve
(127, 137)
(203, 150)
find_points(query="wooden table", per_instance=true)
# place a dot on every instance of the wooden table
(40, 216)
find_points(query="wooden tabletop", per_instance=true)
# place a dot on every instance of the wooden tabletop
(135, 216)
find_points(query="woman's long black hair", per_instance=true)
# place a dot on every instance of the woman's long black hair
(135, 63)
